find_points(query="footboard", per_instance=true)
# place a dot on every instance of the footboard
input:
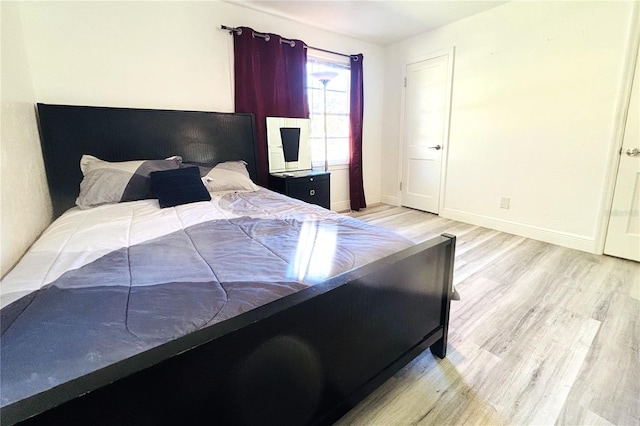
(304, 359)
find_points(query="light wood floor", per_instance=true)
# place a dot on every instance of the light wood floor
(543, 335)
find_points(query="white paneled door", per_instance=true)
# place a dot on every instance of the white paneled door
(427, 104)
(623, 233)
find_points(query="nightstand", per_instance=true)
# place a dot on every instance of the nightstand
(312, 186)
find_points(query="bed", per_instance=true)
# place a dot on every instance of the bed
(245, 308)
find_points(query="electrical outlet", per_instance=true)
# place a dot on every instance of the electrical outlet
(504, 202)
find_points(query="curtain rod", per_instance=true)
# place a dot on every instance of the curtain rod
(284, 40)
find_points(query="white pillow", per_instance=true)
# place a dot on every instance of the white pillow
(229, 176)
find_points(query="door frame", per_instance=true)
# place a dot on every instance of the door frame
(445, 150)
(620, 121)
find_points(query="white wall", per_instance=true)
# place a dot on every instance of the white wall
(25, 207)
(171, 55)
(535, 91)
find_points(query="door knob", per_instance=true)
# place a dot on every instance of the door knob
(437, 147)
(633, 152)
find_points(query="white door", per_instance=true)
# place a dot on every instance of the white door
(427, 101)
(623, 233)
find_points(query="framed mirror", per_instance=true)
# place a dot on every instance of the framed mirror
(289, 144)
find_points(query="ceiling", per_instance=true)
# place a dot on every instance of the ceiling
(381, 22)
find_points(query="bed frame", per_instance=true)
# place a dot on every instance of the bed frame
(304, 359)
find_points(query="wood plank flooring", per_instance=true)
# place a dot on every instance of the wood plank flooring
(543, 335)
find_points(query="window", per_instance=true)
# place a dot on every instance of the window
(337, 112)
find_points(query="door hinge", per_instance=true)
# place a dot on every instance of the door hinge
(405, 82)
(400, 186)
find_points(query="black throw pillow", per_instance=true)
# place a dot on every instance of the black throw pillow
(179, 186)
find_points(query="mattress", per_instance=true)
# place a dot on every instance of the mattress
(107, 283)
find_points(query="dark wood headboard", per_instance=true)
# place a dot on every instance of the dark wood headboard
(121, 134)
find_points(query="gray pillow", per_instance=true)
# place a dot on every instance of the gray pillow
(108, 182)
(230, 176)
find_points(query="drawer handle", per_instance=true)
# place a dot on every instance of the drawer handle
(312, 192)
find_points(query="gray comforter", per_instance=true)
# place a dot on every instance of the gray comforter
(104, 284)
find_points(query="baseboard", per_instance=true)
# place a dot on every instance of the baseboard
(565, 239)
(341, 206)
(388, 199)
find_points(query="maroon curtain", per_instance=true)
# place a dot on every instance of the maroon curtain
(356, 187)
(270, 81)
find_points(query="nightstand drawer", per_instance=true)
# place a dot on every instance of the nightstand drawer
(311, 190)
